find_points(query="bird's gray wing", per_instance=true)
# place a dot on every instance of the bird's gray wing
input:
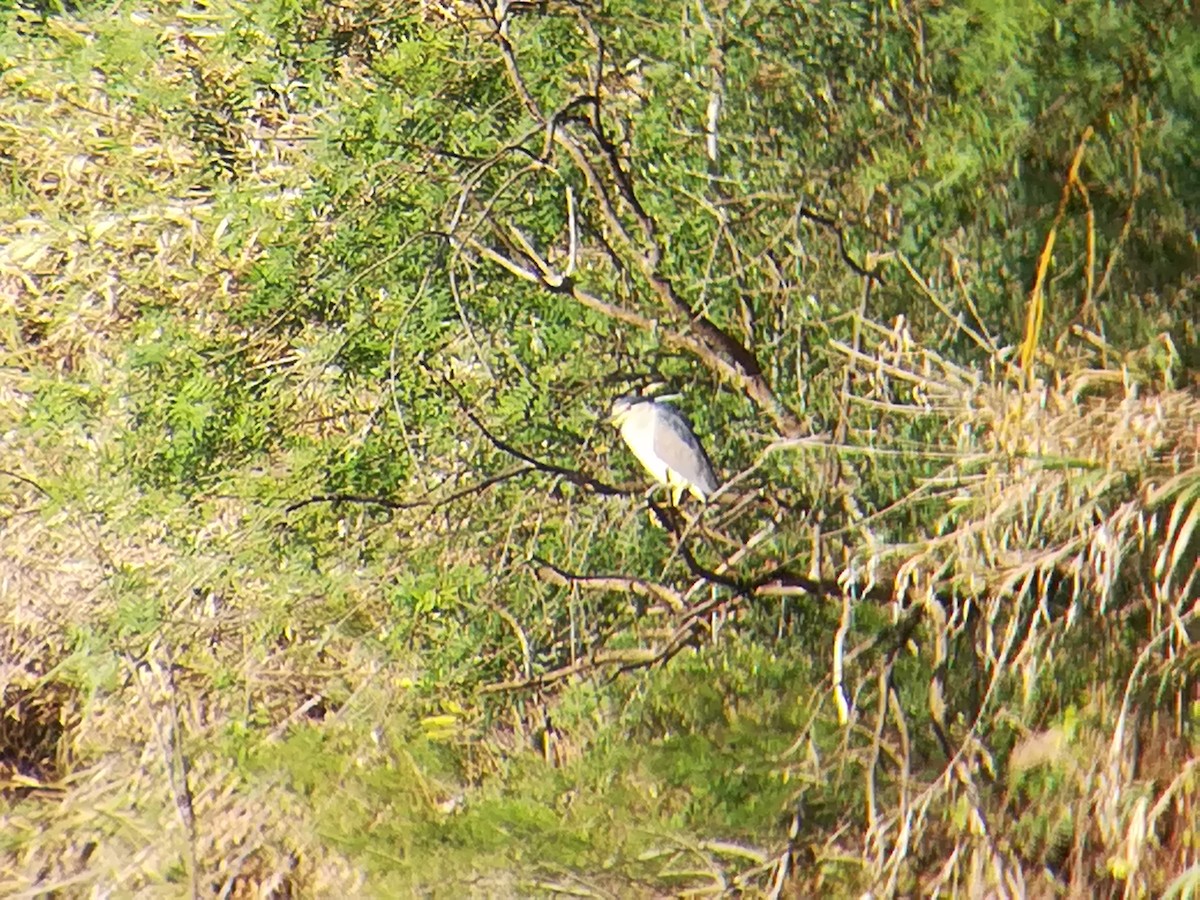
(677, 445)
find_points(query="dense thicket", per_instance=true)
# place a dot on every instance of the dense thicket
(925, 275)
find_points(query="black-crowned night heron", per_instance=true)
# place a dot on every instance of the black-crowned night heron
(663, 441)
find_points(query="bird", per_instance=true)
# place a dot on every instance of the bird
(663, 441)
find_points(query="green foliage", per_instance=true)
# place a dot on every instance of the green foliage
(61, 402)
(199, 402)
(92, 663)
(406, 815)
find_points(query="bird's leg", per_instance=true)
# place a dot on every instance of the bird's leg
(676, 494)
(649, 498)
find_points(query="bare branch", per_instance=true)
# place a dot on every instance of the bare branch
(433, 504)
(635, 657)
(552, 574)
(572, 475)
(718, 349)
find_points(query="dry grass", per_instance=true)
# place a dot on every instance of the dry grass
(146, 651)
(1066, 522)
(113, 773)
(100, 727)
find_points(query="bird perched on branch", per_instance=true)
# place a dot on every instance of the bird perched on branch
(663, 441)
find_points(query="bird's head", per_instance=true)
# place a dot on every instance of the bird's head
(622, 408)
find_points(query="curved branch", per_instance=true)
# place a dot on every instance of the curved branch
(715, 347)
(641, 587)
(635, 657)
(434, 504)
(825, 222)
(582, 479)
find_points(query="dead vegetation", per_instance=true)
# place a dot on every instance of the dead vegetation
(1066, 518)
(110, 773)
